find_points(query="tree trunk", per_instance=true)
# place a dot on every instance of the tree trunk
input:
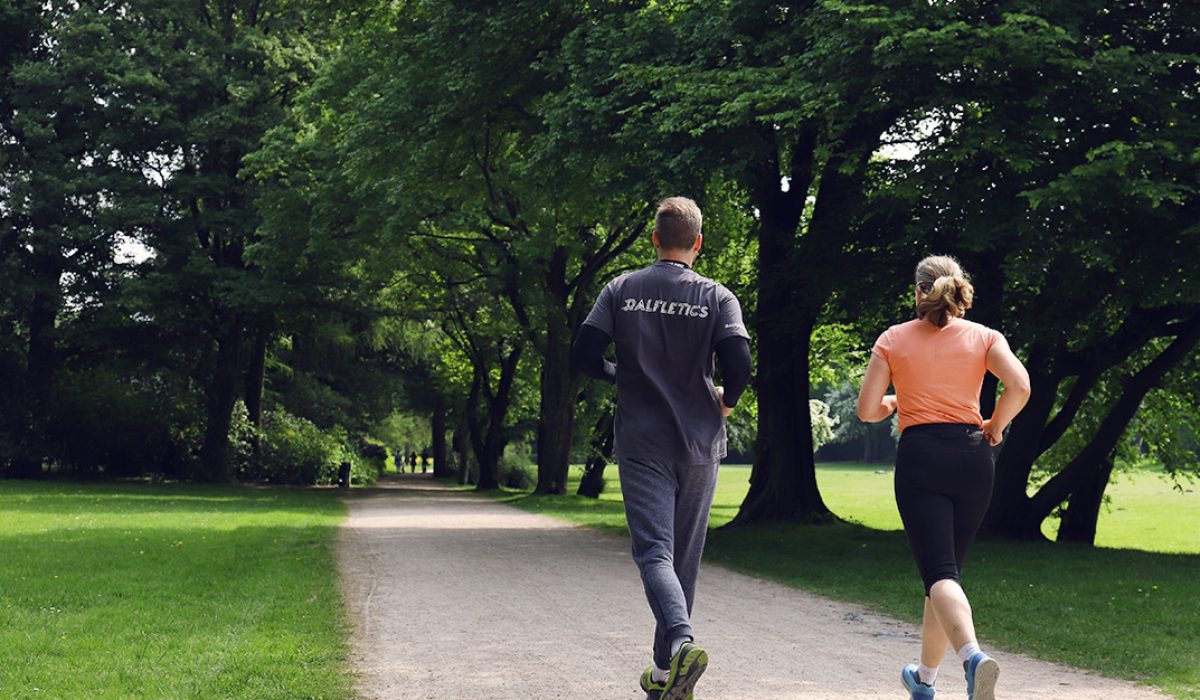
(222, 393)
(489, 441)
(1021, 447)
(987, 395)
(556, 421)
(1082, 469)
(441, 468)
(1082, 513)
(40, 366)
(592, 483)
(255, 383)
(783, 481)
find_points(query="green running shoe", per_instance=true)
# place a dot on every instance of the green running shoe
(654, 690)
(686, 668)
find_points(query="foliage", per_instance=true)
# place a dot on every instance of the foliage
(517, 468)
(295, 451)
(823, 424)
(337, 213)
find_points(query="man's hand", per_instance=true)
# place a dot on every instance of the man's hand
(725, 410)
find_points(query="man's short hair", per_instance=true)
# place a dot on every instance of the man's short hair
(678, 222)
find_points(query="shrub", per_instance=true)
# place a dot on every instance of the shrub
(106, 424)
(516, 468)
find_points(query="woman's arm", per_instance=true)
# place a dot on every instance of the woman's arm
(873, 403)
(1004, 364)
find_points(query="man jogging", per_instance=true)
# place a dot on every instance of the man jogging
(667, 323)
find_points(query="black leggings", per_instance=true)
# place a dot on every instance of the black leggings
(944, 476)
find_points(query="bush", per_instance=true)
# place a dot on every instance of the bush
(106, 424)
(295, 450)
(516, 468)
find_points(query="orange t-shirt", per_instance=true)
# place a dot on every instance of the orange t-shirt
(937, 372)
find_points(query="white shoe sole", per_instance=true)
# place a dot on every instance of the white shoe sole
(986, 674)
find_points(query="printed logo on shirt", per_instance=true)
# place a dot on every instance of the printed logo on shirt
(736, 326)
(669, 308)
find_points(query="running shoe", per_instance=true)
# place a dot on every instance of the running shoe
(912, 683)
(687, 666)
(653, 689)
(982, 672)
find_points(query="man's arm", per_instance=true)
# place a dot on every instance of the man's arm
(587, 354)
(734, 355)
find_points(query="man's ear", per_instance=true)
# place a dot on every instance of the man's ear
(654, 239)
(699, 242)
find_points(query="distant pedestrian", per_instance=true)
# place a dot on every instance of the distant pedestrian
(944, 470)
(667, 323)
(412, 462)
(424, 460)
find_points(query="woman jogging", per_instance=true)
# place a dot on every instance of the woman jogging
(944, 468)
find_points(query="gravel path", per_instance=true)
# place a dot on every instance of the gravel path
(456, 597)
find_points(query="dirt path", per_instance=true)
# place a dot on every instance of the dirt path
(456, 597)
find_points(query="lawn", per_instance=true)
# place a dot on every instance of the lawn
(132, 590)
(1126, 609)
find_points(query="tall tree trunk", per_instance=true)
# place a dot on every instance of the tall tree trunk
(41, 364)
(490, 440)
(556, 420)
(255, 383)
(441, 468)
(592, 483)
(222, 393)
(783, 481)
(1021, 447)
(1082, 513)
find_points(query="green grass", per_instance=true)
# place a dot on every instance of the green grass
(133, 590)
(1123, 612)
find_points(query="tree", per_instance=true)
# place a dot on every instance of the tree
(495, 161)
(1059, 175)
(72, 188)
(816, 87)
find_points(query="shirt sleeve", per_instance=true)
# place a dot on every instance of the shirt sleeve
(883, 346)
(990, 338)
(603, 314)
(587, 354)
(729, 318)
(734, 355)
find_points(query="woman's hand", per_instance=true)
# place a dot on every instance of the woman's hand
(994, 432)
(889, 402)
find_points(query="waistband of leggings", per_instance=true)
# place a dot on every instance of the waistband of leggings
(941, 429)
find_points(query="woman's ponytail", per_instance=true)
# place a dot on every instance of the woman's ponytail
(946, 290)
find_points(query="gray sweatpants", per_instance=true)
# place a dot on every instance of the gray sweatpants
(666, 506)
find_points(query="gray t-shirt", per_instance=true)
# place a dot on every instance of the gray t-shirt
(666, 321)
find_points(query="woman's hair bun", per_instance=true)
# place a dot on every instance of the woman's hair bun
(946, 290)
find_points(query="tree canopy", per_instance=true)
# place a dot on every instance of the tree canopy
(233, 233)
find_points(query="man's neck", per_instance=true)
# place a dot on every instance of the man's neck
(675, 256)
